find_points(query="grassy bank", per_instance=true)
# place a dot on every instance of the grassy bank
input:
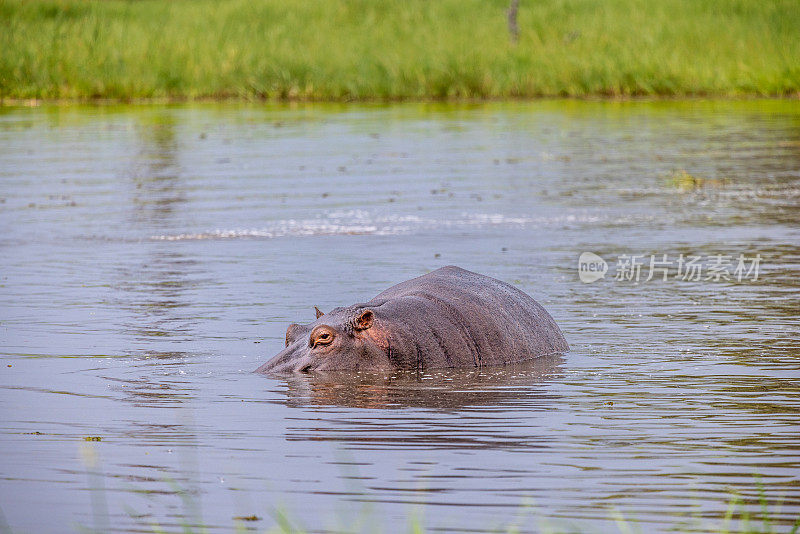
(396, 49)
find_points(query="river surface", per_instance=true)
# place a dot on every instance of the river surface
(151, 258)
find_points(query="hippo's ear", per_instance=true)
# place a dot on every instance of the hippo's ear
(319, 312)
(364, 320)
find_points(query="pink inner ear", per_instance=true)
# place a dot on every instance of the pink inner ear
(364, 320)
(319, 312)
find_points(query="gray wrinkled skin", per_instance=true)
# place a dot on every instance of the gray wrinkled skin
(450, 317)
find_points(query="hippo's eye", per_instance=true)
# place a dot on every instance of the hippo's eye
(322, 336)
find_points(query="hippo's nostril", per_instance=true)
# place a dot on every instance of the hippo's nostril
(305, 368)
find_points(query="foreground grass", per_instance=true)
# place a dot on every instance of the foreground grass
(396, 49)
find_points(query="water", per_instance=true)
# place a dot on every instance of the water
(152, 257)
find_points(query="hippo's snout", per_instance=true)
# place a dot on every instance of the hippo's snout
(292, 359)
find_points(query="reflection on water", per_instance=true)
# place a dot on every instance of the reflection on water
(153, 289)
(451, 389)
(153, 256)
(155, 173)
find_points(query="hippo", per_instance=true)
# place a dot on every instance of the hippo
(448, 318)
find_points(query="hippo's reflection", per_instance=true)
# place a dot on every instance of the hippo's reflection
(440, 389)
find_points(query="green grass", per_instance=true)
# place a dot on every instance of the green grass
(396, 49)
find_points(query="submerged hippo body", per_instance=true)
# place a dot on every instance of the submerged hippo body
(447, 318)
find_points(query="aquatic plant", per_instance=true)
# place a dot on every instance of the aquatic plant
(683, 181)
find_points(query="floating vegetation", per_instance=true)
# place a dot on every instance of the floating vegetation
(686, 182)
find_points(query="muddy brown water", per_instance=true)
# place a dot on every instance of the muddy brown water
(152, 256)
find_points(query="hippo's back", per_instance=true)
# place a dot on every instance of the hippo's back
(452, 317)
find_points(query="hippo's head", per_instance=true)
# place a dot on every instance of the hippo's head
(344, 339)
